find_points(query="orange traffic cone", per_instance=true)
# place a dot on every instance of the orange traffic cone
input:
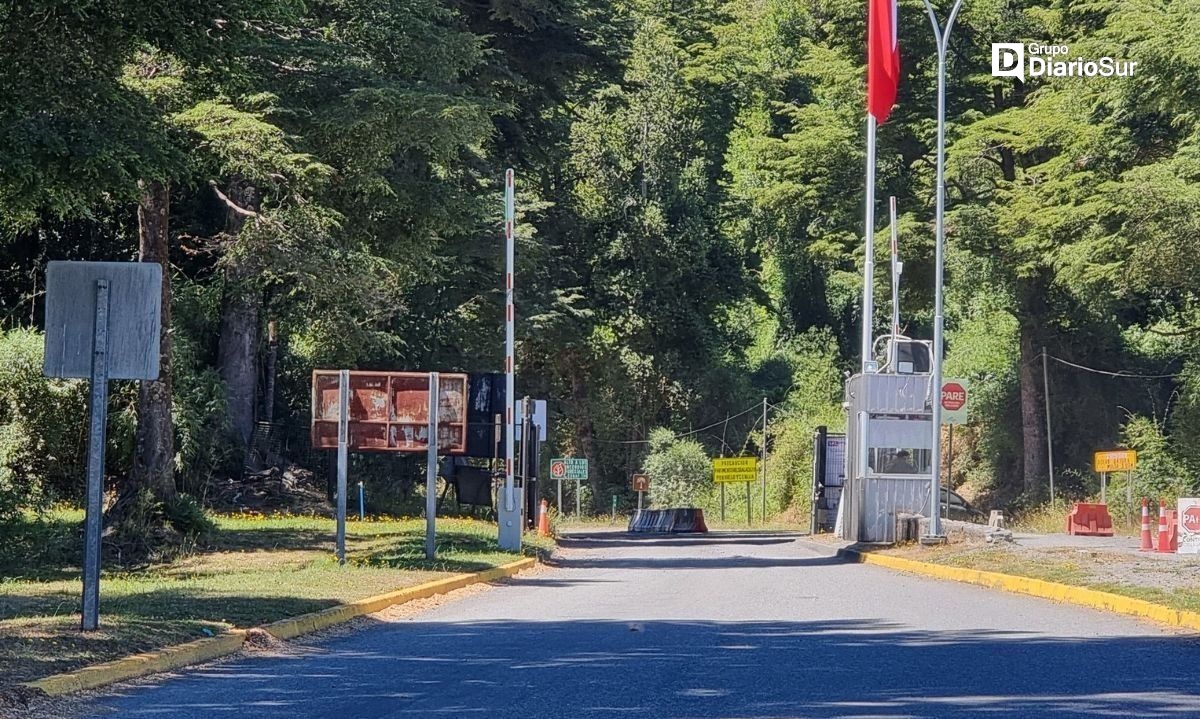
(544, 519)
(1147, 542)
(1164, 539)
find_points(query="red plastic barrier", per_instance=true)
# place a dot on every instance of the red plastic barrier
(1091, 520)
(688, 521)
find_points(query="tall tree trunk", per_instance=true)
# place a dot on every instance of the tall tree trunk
(1033, 429)
(237, 353)
(154, 445)
(585, 431)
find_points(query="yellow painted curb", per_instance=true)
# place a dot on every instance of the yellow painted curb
(142, 664)
(202, 650)
(1081, 596)
(306, 623)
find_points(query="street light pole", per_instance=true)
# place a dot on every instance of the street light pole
(942, 36)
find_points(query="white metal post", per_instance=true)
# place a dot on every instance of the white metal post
(343, 460)
(896, 270)
(431, 458)
(95, 462)
(942, 37)
(510, 536)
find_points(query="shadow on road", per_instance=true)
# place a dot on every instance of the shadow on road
(651, 560)
(672, 670)
(726, 562)
(598, 540)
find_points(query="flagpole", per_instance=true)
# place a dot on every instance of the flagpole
(868, 299)
(895, 272)
(942, 36)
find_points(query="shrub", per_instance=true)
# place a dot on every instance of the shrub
(43, 428)
(680, 472)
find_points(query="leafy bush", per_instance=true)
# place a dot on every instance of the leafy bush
(680, 472)
(43, 428)
(1159, 474)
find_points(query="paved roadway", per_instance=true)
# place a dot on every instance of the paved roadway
(745, 626)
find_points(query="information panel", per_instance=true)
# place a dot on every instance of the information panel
(389, 411)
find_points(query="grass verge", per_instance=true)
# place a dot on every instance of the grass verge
(1166, 582)
(256, 570)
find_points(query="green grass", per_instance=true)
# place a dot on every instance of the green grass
(1051, 518)
(253, 570)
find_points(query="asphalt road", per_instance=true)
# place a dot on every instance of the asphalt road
(738, 625)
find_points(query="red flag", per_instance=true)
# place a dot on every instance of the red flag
(883, 59)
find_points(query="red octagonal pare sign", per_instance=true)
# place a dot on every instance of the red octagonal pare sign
(1189, 525)
(1191, 518)
(954, 401)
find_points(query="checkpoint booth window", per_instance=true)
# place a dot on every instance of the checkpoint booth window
(899, 447)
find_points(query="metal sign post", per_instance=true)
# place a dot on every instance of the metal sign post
(95, 462)
(749, 519)
(103, 322)
(343, 460)
(764, 461)
(431, 470)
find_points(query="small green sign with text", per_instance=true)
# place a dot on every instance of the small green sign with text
(569, 468)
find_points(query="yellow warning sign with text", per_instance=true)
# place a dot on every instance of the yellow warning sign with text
(1115, 460)
(735, 469)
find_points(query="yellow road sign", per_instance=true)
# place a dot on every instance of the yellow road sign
(735, 469)
(1115, 460)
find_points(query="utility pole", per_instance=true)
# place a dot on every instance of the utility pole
(763, 454)
(1049, 441)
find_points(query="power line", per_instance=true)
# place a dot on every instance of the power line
(685, 434)
(1123, 373)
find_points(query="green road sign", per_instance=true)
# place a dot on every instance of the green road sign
(569, 468)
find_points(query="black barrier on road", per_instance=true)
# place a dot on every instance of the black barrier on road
(667, 521)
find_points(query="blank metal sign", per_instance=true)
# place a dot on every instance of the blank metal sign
(134, 306)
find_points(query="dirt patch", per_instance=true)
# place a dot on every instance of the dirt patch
(293, 490)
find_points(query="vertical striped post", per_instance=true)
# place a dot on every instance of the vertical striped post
(1147, 544)
(510, 211)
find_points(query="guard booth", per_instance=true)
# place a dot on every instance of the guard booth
(889, 438)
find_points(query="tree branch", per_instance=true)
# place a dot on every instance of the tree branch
(230, 203)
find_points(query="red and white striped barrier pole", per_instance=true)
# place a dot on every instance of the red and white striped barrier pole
(1147, 541)
(510, 390)
(1163, 532)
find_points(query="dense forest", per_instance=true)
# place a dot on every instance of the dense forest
(322, 183)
